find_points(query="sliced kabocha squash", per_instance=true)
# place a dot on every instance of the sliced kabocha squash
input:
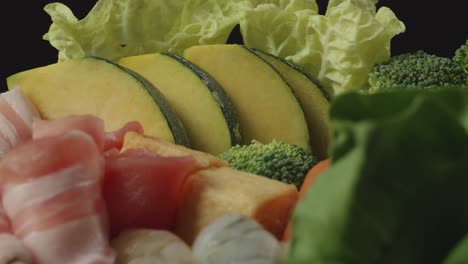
(315, 101)
(96, 86)
(201, 104)
(266, 105)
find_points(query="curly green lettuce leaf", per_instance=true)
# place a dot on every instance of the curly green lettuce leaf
(118, 28)
(365, 5)
(396, 189)
(339, 48)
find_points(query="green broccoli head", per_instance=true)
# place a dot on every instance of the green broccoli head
(417, 70)
(461, 56)
(276, 160)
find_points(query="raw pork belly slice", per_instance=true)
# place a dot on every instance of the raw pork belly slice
(52, 195)
(16, 117)
(89, 124)
(25, 109)
(11, 248)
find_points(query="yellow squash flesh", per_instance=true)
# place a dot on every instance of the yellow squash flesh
(266, 105)
(313, 99)
(99, 87)
(197, 99)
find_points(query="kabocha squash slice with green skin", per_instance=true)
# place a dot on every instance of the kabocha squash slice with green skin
(100, 87)
(315, 101)
(266, 105)
(198, 100)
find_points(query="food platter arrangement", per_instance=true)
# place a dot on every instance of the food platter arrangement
(152, 139)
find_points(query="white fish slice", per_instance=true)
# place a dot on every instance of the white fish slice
(236, 239)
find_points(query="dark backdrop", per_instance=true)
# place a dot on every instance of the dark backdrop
(437, 27)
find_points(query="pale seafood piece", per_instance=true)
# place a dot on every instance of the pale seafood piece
(235, 239)
(148, 246)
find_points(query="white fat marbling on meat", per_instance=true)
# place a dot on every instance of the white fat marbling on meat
(21, 196)
(4, 146)
(11, 249)
(76, 242)
(8, 131)
(25, 109)
(60, 216)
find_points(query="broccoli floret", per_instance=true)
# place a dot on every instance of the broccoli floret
(461, 56)
(276, 160)
(417, 70)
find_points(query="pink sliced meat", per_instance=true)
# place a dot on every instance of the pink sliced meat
(11, 248)
(89, 124)
(115, 138)
(142, 189)
(22, 105)
(4, 221)
(52, 196)
(22, 129)
(5, 145)
(16, 115)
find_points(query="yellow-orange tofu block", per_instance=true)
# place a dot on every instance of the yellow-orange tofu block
(210, 193)
(165, 148)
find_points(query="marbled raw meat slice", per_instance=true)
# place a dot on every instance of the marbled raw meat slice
(22, 105)
(142, 189)
(16, 116)
(89, 124)
(52, 194)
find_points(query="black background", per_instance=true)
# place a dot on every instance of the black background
(437, 27)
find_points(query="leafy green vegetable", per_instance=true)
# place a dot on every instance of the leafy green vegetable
(117, 28)
(418, 70)
(339, 48)
(276, 160)
(396, 190)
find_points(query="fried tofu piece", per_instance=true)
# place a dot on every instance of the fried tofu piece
(167, 149)
(211, 193)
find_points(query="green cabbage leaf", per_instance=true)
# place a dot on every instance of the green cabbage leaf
(339, 47)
